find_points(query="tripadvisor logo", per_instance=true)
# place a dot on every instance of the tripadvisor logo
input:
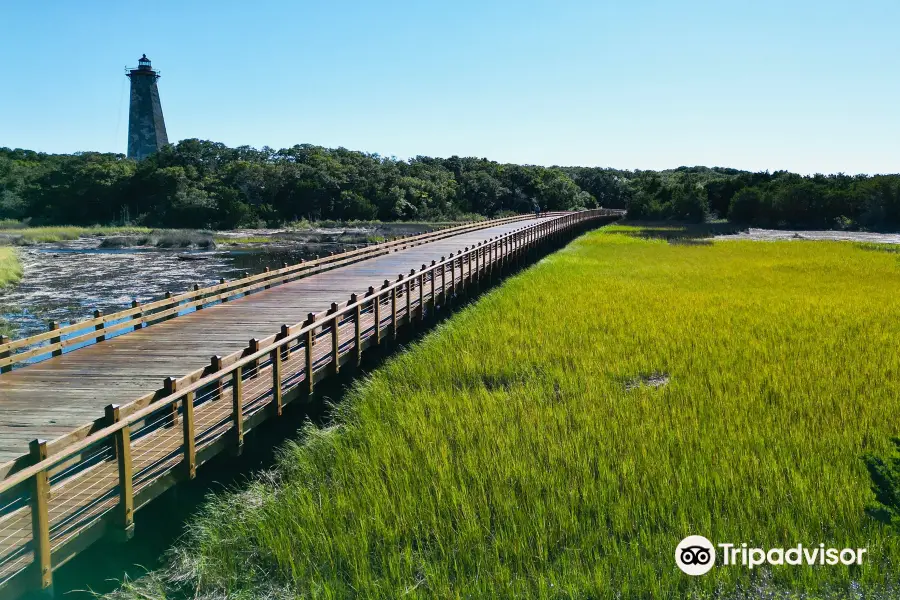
(696, 555)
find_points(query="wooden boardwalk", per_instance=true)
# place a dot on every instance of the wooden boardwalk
(121, 438)
(51, 398)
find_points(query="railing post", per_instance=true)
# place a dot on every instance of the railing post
(443, 281)
(190, 449)
(410, 281)
(237, 409)
(433, 277)
(222, 282)
(421, 286)
(286, 349)
(310, 342)
(357, 328)
(215, 365)
(198, 297)
(4, 339)
(377, 308)
(173, 304)
(488, 261)
(476, 275)
(253, 366)
(40, 519)
(520, 247)
(394, 309)
(268, 283)
(335, 340)
(53, 326)
(122, 446)
(170, 386)
(467, 280)
(452, 276)
(138, 315)
(98, 314)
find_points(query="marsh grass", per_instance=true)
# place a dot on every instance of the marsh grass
(878, 247)
(162, 238)
(249, 239)
(507, 455)
(33, 235)
(10, 267)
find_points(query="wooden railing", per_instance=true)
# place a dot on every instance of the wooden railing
(61, 338)
(79, 487)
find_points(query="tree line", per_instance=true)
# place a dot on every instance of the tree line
(203, 184)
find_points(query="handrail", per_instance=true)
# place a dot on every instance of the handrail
(42, 534)
(142, 315)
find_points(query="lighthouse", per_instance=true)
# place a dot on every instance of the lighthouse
(146, 127)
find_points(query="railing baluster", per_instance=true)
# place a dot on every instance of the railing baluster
(190, 449)
(40, 518)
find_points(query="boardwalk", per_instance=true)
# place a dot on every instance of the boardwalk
(48, 399)
(122, 437)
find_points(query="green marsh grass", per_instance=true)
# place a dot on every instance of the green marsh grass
(250, 239)
(33, 235)
(10, 267)
(517, 451)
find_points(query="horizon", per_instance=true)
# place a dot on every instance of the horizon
(797, 87)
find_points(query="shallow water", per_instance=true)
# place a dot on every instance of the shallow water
(66, 282)
(780, 234)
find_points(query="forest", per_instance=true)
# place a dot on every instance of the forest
(203, 184)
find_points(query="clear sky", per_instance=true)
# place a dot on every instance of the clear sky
(805, 85)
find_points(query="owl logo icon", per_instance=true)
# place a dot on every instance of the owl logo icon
(695, 555)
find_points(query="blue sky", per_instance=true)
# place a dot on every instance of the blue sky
(810, 86)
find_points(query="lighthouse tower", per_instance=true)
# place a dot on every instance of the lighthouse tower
(146, 127)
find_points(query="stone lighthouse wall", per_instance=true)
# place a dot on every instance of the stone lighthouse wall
(146, 127)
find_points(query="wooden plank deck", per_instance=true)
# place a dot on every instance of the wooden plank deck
(51, 398)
